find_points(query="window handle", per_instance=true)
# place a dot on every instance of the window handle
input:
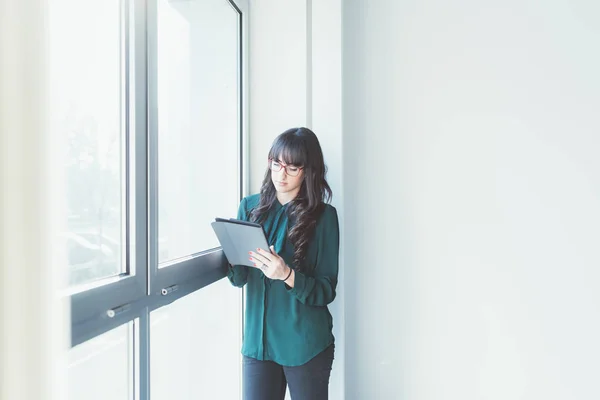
(168, 289)
(113, 312)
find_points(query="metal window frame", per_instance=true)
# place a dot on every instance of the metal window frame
(209, 265)
(134, 294)
(89, 306)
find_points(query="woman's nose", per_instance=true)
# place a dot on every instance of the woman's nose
(281, 174)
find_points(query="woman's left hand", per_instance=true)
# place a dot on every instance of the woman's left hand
(270, 263)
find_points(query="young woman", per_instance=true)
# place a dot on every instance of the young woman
(288, 338)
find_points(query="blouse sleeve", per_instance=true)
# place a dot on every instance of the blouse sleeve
(319, 290)
(238, 274)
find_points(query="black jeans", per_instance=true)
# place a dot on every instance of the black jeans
(266, 380)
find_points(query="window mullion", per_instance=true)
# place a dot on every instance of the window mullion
(152, 135)
(139, 128)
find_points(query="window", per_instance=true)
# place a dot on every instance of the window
(173, 328)
(107, 356)
(87, 108)
(197, 123)
(149, 97)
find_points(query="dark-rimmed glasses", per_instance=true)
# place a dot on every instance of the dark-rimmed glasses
(291, 170)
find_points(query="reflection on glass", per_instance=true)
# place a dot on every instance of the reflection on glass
(101, 368)
(85, 98)
(195, 345)
(198, 123)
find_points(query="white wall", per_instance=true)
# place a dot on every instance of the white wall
(471, 191)
(34, 330)
(295, 80)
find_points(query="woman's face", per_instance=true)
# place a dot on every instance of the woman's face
(283, 179)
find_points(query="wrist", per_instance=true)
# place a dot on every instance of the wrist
(288, 274)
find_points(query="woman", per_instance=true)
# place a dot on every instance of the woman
(288, 336)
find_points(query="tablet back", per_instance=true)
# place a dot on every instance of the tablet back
(238, 237)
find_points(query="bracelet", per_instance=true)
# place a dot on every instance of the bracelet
(287, 277)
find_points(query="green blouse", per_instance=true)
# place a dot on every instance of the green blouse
(290, 325)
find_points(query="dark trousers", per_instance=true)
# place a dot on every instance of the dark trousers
(266, 380)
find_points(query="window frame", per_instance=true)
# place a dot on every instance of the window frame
(210, 265)
(90, 303)
(132, 297)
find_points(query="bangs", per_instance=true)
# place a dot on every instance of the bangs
(289, 149)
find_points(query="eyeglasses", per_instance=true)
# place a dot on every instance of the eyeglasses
(291, 170)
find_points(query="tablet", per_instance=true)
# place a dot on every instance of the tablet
(238, 237)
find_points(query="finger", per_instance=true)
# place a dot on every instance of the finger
(261, 268)
(273, 251)
(258, 258)
(265, 254)
(259, 265)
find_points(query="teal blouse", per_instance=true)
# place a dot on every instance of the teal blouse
(290, 325)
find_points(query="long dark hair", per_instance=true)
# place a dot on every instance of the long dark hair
(300, 147)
